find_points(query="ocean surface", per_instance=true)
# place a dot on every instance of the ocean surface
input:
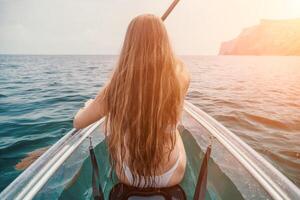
(258, 98)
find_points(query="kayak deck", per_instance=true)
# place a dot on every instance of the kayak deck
(235, 170)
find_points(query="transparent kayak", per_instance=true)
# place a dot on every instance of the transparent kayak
(235, 170)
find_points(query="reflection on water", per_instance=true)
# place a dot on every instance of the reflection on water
(30, 158)
(258, 98)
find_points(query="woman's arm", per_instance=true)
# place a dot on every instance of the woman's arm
(93, 110)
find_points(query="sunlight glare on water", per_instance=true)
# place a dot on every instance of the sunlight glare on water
(258, 98)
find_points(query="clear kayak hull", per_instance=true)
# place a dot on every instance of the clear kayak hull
(80, 186)
(235, 171)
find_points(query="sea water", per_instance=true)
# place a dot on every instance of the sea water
(258, 98)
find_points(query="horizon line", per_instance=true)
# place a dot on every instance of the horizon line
(21, 54)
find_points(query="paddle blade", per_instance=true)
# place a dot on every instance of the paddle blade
(200, 190)
(97, 189)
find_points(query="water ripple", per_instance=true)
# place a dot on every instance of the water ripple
(258, 98)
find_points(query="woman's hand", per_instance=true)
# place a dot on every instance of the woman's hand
(93, 110)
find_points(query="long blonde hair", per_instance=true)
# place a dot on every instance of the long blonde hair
(143, 99)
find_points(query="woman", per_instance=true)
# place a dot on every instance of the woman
(142, 103)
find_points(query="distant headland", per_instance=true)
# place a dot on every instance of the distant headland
(270, 37)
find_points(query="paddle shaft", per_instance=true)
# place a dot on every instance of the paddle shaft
(171, 7)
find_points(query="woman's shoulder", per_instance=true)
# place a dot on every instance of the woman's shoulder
(183, 73)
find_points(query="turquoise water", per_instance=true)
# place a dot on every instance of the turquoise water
(257, 98)
(39, 95)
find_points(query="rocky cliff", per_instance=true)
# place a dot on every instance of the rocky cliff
(270, 37)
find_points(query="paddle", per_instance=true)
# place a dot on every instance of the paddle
(171, 7)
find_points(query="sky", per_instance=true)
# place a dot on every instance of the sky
(196, 27)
